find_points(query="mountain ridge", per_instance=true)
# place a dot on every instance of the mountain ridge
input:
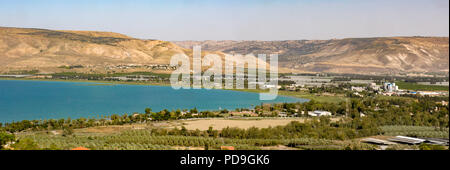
(23, 48)
(349, 55)
(49, 50)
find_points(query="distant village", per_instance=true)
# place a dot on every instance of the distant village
(285, 82)
(291, 82)
(383, 88)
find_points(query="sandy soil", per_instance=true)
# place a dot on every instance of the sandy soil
(218, 124)
(110, 129)
(201, 124)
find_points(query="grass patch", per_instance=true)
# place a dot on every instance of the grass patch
(416, 131)
(316, 97)
(415, 86)
(99, 82)
(300, 94)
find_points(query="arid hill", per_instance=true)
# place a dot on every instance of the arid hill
(40, 49)
(51, 50)
(353, 55)
(48, 51)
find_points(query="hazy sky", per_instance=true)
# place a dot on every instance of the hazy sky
(234, 19)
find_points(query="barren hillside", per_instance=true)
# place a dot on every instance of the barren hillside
(353, 55)
(39, 48)
(50, 51)
(23, 49)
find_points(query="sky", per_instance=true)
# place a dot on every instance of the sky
(234, 19)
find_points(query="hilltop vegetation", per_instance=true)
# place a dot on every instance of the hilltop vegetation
(76, 36)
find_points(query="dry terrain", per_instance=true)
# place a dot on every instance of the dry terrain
(352, 55)
(50, 51)
(218, 124)
(201, 124)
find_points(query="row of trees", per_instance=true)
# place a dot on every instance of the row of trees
(115, 119)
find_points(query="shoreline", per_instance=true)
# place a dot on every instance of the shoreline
(89, 81)
(108, 83)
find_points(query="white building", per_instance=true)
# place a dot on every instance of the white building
(270, 86)
(428, 93)
(358, 89)
(282, 114)
(390, 87)
(319, 113)
(374, 86)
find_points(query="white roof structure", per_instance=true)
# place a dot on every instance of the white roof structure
(319, 113)
(377, 141)
(437, 141)
(407, 140)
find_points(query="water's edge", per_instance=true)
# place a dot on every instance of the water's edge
(98, 93)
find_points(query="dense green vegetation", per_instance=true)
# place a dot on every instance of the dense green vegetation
(71, 67)
(415, 131)
(147, 116)
(22, 72)
(316, 134)
(435, 77)
(425, 146)
(78, 37)
(98, 76)
(148, 140)
(5, 138)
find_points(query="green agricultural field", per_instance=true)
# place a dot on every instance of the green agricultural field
(417, 131)
(318, 98)
(305, 95)
(415, 86)
(145, 140)
(96, 82)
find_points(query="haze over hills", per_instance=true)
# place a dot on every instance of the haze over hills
(48, 50)
(352, 55)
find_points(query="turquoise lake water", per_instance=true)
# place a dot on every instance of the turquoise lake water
(31, 100)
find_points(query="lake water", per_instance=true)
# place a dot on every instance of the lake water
(29, 100)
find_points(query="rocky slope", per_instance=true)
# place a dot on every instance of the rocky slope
(353, 55)
(50, 50)
(39, 48)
